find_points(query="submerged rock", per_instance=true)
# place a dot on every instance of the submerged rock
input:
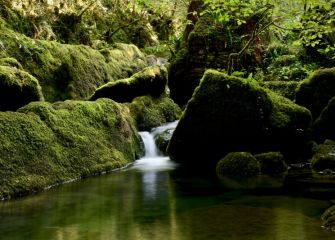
(238, 164)
(46, 144)
(229, 114)
(150, 81)
(17, 88)
(315, 92)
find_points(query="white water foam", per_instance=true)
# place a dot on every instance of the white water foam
(153, 159)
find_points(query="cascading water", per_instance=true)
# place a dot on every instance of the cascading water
(153, 159)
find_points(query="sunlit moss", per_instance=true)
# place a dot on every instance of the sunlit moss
(44, 144)
(71, 71)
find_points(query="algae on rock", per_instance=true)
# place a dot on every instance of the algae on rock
(45, 144)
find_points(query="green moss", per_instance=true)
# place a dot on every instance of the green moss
(17, 88)
(10, 62)
(152, 112)
(150, 81)
(71, 71)
(315, 92)
(272, 163)
(286, 89)
(44, 144)
(324, 156)
(240, 164)
(230, 114)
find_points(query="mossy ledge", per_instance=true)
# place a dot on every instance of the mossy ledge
(46, 144)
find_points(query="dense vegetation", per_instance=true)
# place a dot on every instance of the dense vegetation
(79, 78)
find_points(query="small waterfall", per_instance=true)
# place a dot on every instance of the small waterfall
(149, 145)
(153, 159)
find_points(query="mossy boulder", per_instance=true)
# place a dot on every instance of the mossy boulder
(150, 112)
(328, 219)
(324, 127)
(230, 114)
(286, 89)
(71, 71)
(239, 164)
(150, 81)
(315, 92)
(45, 144)
(272, 163)
(324, 156)
(17, 88)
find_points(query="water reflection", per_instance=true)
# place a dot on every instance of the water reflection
(147, 205)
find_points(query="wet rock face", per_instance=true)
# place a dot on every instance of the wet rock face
(229, 114)
(17, 88)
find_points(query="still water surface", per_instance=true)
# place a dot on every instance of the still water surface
(137, 204)
(150, 202)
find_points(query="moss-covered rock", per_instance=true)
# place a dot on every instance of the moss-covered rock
(45, 144)
(284, 88)
(238, 164)
(315, 92)
(71, 71)
(17, 88)
(324, 156)
(272, 163)
(10, 62)
(150, 81)
(152, 112)
(324, 127)
(229, 114)
(328, 219)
